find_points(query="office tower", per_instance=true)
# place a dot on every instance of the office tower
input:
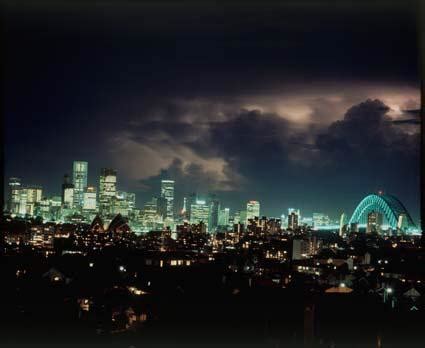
(22, 202)
(167, 192)
(242, 217)
(55, 204)
(374, 222)
(296, 211)
(237, 217)
(224, 217)
(200, 212)
(90, 199)
(79, 179)
(161, 207)
(150, 217)
(67, 192)
(293, 221)
(123, 203)
(214, 204)
(33, 196)
(320, 220)
(107, 190)
(191, 200)
(284, 221)
(252, 210)
(14, 193)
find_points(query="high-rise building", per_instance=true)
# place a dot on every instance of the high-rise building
(242, 217)
(190, 200)
(167, 192)
(23, 198)
(237, 217)
(107, 189)
(252, 210)
(90, 199)
(214, 204)
(320, 220)
(123, 203)
(293, 221)
(200, 212)
(67, 193)
(296, 211)
(224, 217)
(33, 196)
(14, 195)
(374, 222)
(150, 218)
(79, 179)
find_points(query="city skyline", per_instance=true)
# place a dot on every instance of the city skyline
(94, 196)
(266, 121)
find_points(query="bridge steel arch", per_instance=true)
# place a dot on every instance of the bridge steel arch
(388, 205)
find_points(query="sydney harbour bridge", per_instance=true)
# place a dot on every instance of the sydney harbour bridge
(394, 214)
(393, 211)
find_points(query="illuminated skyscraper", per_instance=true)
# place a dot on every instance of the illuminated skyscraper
(107, 189)
(374, 222)
(123, 203)
(67, 193)
(214, 204)
(320, 220)
(90, 199)
(252, 210)
(200, 212)
(167, 191)
(293, 220)
(79, 179)
(150, 217)
(296, 211)
(33, 196)
(224, 217)
(14, 194)
(23, 196)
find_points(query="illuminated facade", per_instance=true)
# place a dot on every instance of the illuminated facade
(374, 222)
(107, 189)
(14, 195)
(252, 210)
(214, 213)
(150, 216)
(320, 220)
(167, 192)
(90, 199)
(67, 193)
(33, 196)
(79, 179)
(224, 217)
(200, 212)
(293, 221)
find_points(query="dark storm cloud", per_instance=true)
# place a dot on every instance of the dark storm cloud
(266, 156)
(367, 134)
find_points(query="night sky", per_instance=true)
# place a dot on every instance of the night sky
(295, 105)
